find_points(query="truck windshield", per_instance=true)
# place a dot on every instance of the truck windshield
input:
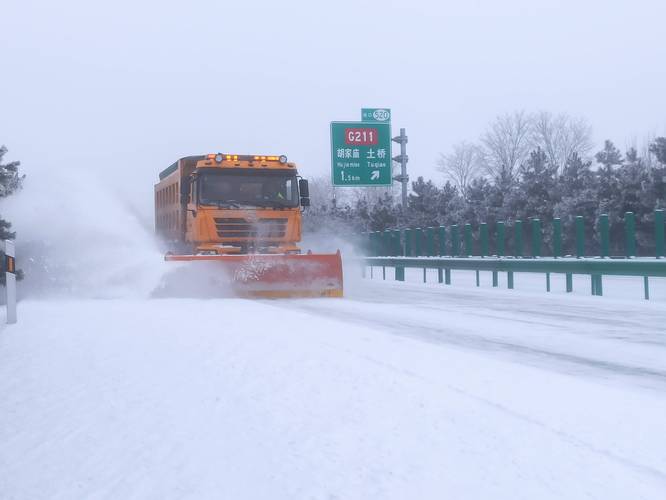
(254, 188)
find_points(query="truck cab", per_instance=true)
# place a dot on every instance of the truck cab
(233, 204)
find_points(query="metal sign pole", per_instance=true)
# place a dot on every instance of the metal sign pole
(402, 158)
(10, 280)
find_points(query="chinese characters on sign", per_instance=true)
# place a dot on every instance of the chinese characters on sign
(361, 154)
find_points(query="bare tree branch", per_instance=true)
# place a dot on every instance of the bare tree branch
(560, 136)
(506, 144)
(462, 165)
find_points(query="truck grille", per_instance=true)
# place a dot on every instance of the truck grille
(243, 228)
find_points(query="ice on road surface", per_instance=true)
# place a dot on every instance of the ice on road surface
(399, 390)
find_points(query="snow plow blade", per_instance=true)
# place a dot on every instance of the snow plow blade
(273, 275)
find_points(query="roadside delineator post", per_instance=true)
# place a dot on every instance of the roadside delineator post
(604, 235)
(418, 239)
(659, 233)
(441, 246)
(499, 250)
(557, 237)
(468, 240)
(483, 238)
(441, 241)
(455, 241)
(630, 234)
(500, 239)
(518, 249)
(536, 238)
(580, 237)
(518, 238)
(387, 238)
(430, 239)
(10, 279)
(397, 244)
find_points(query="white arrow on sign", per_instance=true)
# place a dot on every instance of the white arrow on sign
(374, 175)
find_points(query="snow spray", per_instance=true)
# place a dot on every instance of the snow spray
(78, 237)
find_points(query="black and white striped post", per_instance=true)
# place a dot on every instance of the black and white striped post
(10, 279)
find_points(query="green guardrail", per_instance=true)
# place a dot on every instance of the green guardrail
(455, 246)
(595, 268)
(528, 239)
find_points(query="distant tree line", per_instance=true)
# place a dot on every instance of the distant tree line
(523, 167)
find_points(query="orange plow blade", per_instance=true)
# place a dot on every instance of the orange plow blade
(274, 275)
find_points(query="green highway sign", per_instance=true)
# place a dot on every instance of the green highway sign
(382, 115)
(361, 154)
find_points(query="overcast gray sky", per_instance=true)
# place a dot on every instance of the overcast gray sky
(127, 87)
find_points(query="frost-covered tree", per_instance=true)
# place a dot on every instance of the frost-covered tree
(608, 158)
(383, 213)
(506, 144)
(579, 196)
(634, 195)
(10, 181)
(424, 203)
(560, 137)
(539, 190)
(658, 148)
(461, 165)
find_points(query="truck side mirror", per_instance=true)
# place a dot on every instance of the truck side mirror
(305, 192)
(303, 188)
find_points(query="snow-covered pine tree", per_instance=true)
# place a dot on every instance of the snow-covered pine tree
(658, 174)
(608, 158)
(658, 148)
(635, 194)
(579, 188)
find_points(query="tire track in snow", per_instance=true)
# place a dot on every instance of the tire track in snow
(449, 336)
(396, 310)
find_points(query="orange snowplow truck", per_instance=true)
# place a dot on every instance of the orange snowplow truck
(242, 213)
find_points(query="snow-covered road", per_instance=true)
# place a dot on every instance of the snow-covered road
(397, 391)
(578, 335)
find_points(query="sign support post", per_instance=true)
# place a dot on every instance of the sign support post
(402, 158)
(10, 280)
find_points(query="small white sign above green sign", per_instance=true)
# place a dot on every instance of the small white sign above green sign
(382, 115)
